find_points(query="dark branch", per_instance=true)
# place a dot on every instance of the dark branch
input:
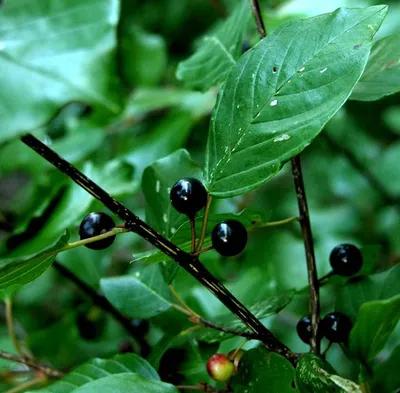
(255, 6)
(187, 261)
(101, 301)
(309, 248)
(32, 364)
(304, 218)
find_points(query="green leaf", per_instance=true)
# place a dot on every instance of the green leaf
(281, 93)
(143, 57)
(17, 271)
(385, 168)
(375, 322)
(261, 310)
(96, 369)
(144, 100)
(218, 52)
(382, 73)
(386, 378)
(364, 289)
(168, 135)
(259, 369)
(120, 383)
(65, 49)
(116, 176)
(158, 178)
(142, 295)
(71, 207)
(313, 375)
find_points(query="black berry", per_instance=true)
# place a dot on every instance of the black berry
(229, 238)
(304, 329)
(188, 196)
(336, 327)
(346, 260)
(95, 224)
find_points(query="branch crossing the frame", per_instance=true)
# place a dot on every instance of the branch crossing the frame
(187, 261)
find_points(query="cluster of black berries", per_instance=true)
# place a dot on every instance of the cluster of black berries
(346, 260)
(188, 196)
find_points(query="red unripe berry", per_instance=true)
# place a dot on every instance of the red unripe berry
(219, 367)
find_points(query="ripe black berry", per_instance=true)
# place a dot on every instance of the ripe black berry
(188, 196)
(95, 224)
(346, 260)
(336, 327)
(229, 238)
(304, 329)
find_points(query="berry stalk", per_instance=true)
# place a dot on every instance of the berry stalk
(187, 261)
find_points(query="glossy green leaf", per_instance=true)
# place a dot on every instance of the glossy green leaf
(96, 369)
(141, 295)
(116, 177)
(17, 271)
(70, 208)
(218, 52)
(386, 376)
(169, 135)
(382, 73)
(65, 49)
(281, 93)
(313, 375)
(144, 100)
(260, 370)
(261, 310)
(143, 57)
(364, 289)
(121, 383)
(375, 322)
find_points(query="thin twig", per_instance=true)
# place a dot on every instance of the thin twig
(70, 246)
(51, 372)
(193, 232)
(180, 300)
(323, 280)
(364, 171)
(304, 218)
(199, 320)
(280, 222)
(204, 224)
(203, 250)
(255, 6)
(305, 224)
(28, 384)
(101, 301)
(10, 326)
(189, 262)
